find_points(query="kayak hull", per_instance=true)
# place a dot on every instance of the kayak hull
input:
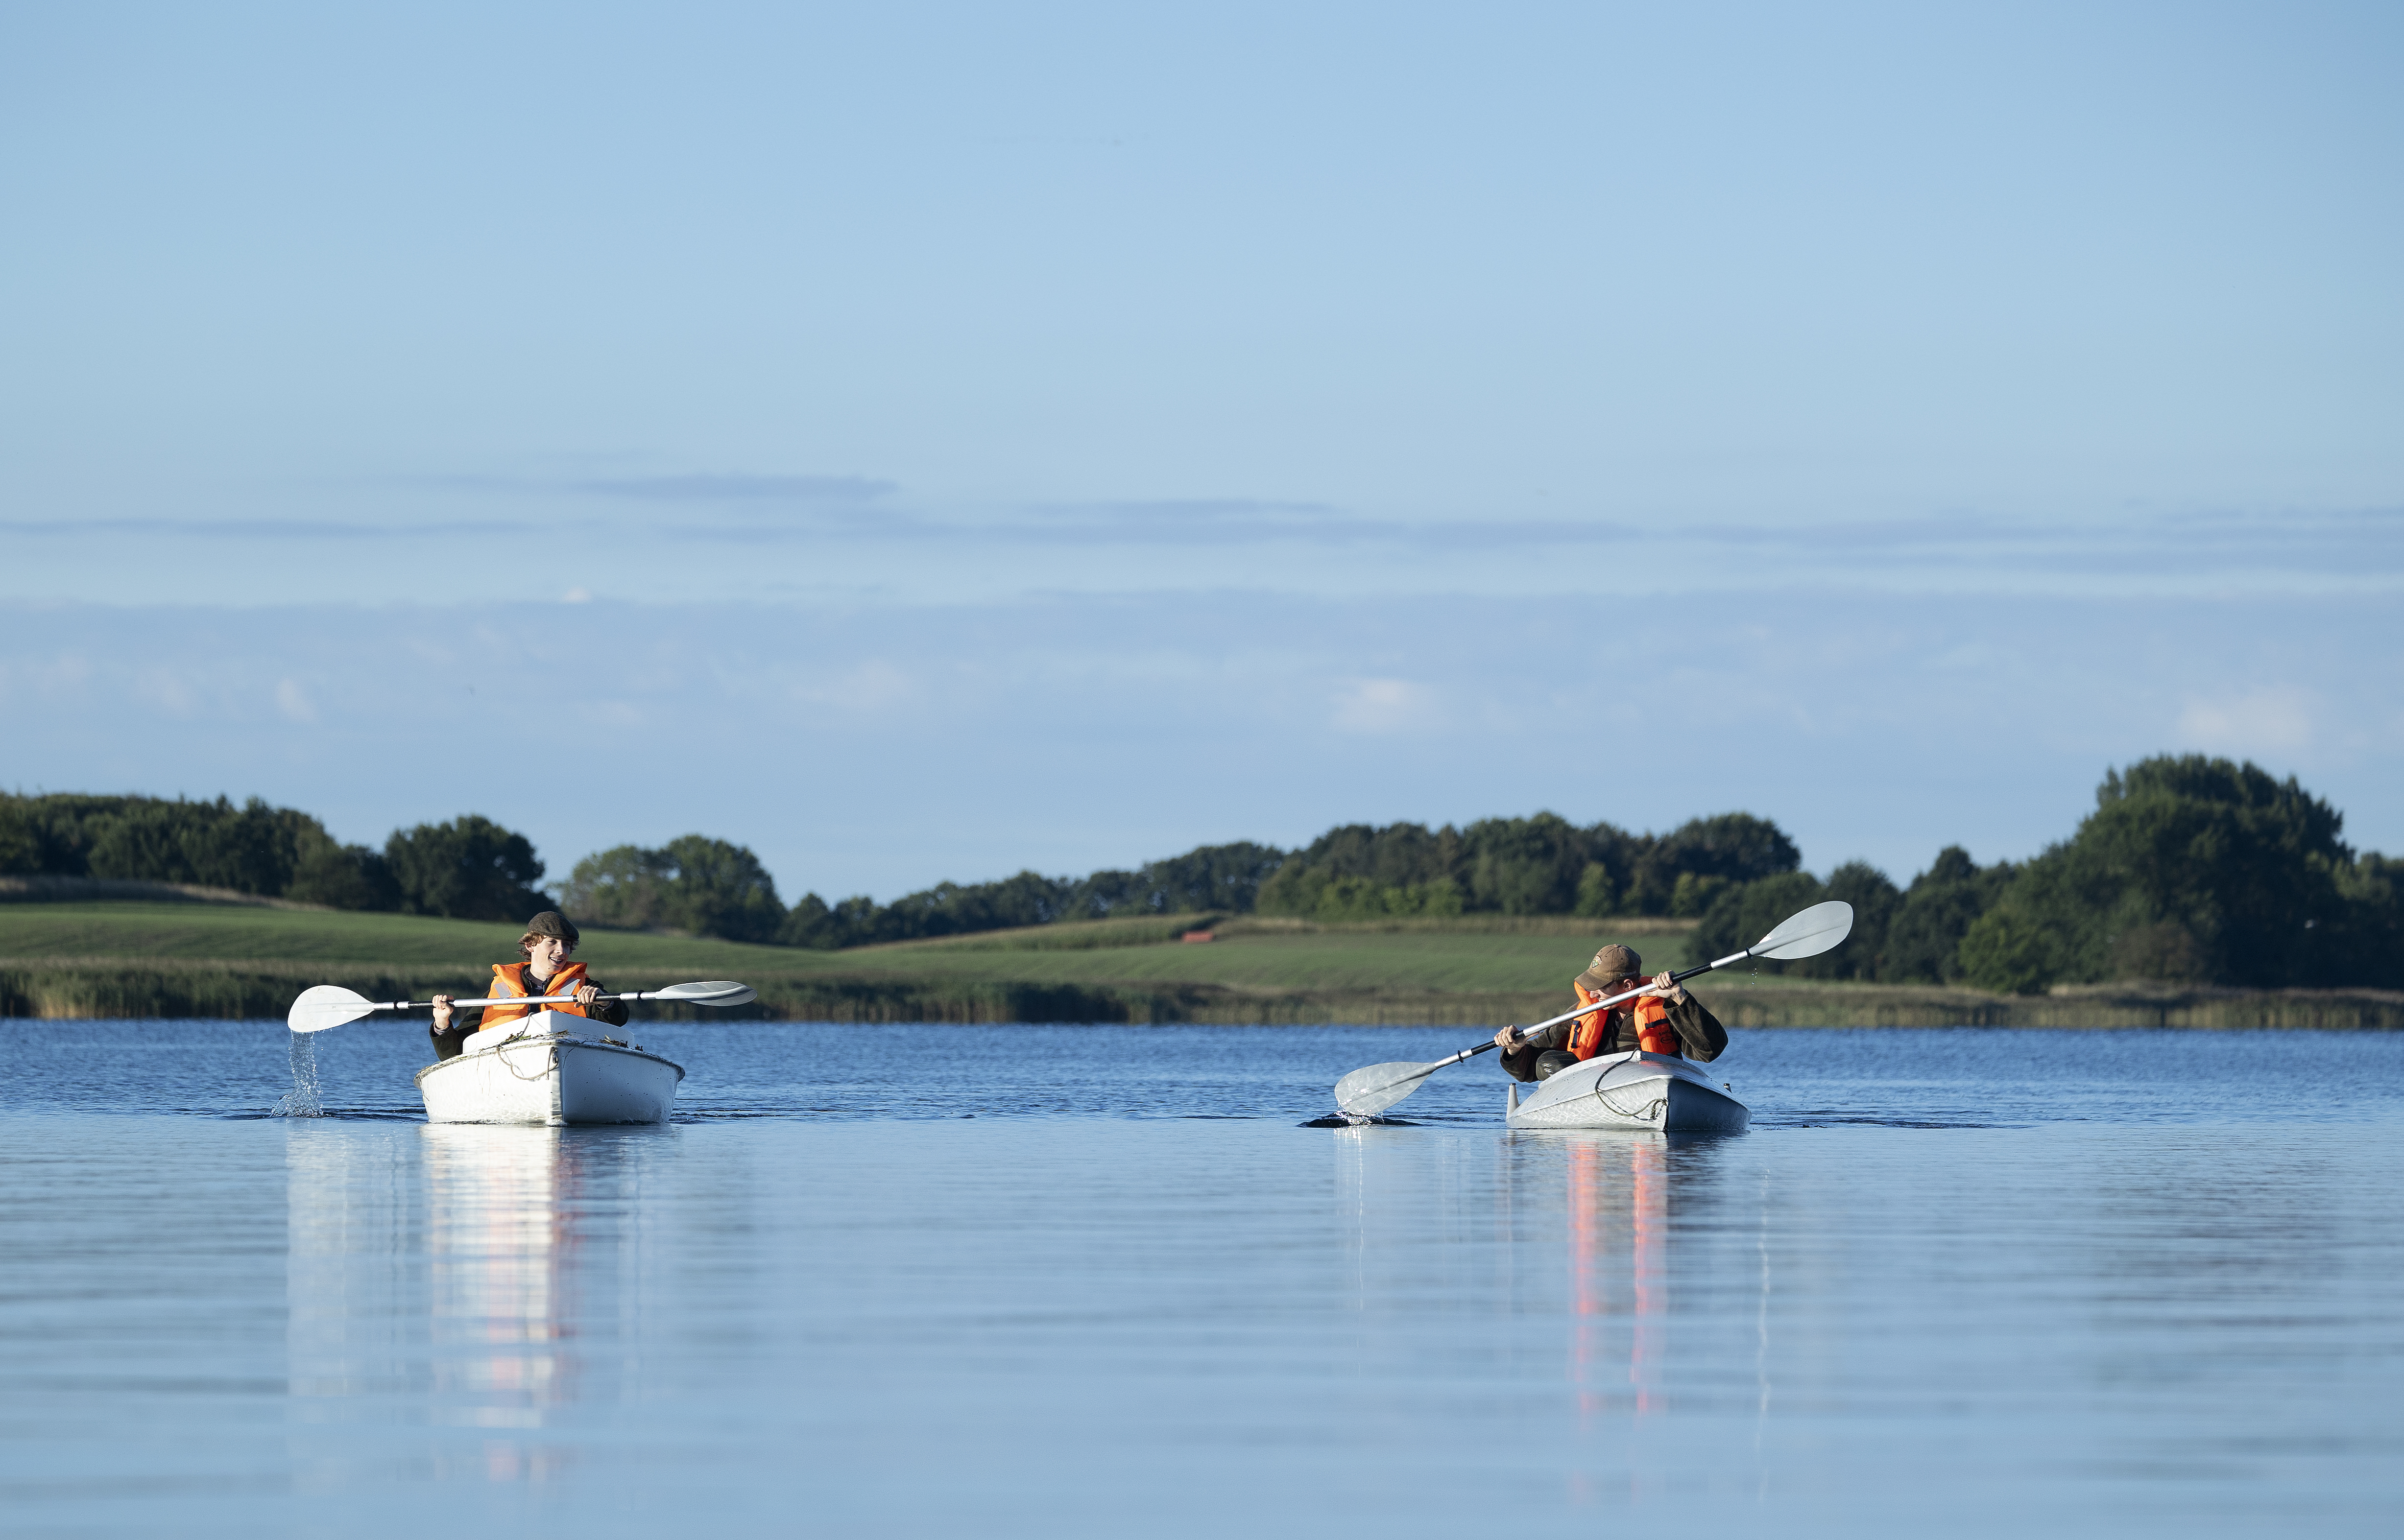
(550, 1074)
(1650, 1091)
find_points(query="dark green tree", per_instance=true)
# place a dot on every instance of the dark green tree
(1744, 914)
(1522, 865)
(720, 889)
(20, 851)
(469, 868)
(811, 923)
(65, 825)
(251, 848)
(694, 884)
(2364, 945)
(1924, 940)
(1863, 954)
(2007, 950)
(957, 908)
(344, 877)
(2190, 869)
(624, 887)
(1731, 847)
(1209, 877)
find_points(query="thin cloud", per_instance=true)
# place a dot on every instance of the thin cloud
(1189, 508)
(1383, 706)
(737, 488)
(271, 529)
(2273, 721)
(2352, 548)
(294, 702)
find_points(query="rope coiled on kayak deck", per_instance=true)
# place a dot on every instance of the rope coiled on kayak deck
(550, 1064)
(1644, 1116)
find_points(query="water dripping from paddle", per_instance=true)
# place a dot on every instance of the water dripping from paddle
(301, 1099)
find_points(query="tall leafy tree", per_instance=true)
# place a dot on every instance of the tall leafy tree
(1744, 914)
(1728, 848)
(344, 877)
(1925, 938)
(469, 868)
(695, 884)
(1209, 877)
(254, 848)
(1522, 865)
(2190, 868)
(720, 889)
(21, 849)
(624, 887)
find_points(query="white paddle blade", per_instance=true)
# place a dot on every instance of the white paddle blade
(713, 991)
(1364, 1093)
(324, 1005)
(1809, 933)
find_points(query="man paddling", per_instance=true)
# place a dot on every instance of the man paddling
(549, 938)
(1664, 1019)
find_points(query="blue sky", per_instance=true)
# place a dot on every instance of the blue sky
(925, 441)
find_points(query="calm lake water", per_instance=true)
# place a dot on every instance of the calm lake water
(1085, 1281)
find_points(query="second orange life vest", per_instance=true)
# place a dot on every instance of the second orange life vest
(1654, 1034)
(509, 978)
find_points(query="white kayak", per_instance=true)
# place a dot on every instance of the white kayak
(1628, 1090)
(550, 1068)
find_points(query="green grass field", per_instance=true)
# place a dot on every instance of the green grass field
(137, 959)
(1248, 953)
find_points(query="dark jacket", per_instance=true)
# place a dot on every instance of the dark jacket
(1699, 1033)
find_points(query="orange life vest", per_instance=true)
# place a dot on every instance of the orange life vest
(509, 978)
(1654, 1034)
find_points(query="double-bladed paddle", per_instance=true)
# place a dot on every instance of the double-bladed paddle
(327, 1005)
(1366, 1092)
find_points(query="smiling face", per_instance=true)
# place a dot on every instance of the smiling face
(546, 953)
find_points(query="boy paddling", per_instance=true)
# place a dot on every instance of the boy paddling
(1664, 1019)
(548, 940)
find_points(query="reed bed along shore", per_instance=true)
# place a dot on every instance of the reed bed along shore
(117, 959)
(67, 987)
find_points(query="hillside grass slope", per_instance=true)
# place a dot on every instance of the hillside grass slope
(170, 959)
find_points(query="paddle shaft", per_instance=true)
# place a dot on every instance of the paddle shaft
(512, 1000)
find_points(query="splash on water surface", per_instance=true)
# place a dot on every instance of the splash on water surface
(301, 1099)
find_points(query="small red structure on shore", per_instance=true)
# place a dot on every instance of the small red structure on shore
(1195, 936)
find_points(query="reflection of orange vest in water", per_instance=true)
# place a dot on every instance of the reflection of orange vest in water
(509, 978)
(1654, 1034)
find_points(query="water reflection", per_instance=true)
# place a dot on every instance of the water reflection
(501, 1240)
(463, 1271)
(1619, 1202)
(1644, 1221)
(1605, 1227)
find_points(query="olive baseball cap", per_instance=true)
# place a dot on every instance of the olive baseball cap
(1613, 964)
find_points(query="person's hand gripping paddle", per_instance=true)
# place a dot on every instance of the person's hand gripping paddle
(1366, 1092)
(330, 1005)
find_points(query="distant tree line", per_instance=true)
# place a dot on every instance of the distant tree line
(1226, 878)
(469, 868)
(1544, 865)
(2190, 870)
